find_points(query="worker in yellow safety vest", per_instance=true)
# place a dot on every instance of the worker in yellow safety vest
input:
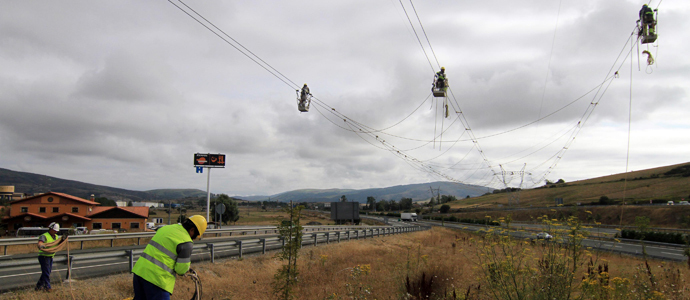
(46, 258)
(168, 253)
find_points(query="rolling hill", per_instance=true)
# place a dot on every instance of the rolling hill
(418, 192)
(657, 184)
(30, 183)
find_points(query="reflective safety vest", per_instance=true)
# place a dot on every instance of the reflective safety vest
(49, 239)
(159, 263)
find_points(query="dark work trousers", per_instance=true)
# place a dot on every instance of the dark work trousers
(144, 290)
(46, 267)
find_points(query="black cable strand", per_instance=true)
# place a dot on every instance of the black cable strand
(229, 43)
(426, 36)
(243, 47)
(420, 41)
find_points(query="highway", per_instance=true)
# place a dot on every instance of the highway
(665, 252)
(23, 270)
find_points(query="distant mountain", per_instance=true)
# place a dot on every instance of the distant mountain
(417, 192)
(30, 183)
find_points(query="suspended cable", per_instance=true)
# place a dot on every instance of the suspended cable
(284, 79)
(415, 34)
(425, 35)
(590, 109)
(548, 67)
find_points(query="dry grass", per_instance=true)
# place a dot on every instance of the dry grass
(660, 216)
(371, 269)
(590, 190)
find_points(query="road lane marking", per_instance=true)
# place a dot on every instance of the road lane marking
(673, 253)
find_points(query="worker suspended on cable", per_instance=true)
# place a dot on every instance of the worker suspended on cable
(440, 78)
(45, 258)
(647, 19)
(304, 94)
(168, 253)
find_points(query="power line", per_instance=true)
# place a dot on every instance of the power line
(425, 35)
(548, 67)
(415, 34)
(266, 67)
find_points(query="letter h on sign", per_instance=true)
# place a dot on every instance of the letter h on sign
(200, 169)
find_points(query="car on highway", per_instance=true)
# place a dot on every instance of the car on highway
(683, 203)
(670, 203)
(544, 236)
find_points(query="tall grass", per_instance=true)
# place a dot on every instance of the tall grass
(435, 264)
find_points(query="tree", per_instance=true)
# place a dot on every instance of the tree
(201, 203)
(560, 181)
(343, 198)
(605, 200)
(231, 214)
(394, 205)
(447, 198)
(445, 208)
(285, 279)
(406, 203)
(371, 203)
(129, 203)
(432, 202)
(105, 201)
(382, 205)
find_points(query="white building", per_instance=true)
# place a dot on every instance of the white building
(121, 203)
(147, 204)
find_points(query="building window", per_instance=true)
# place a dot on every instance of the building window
(134, 225)
(41, 209)
(97, 225)
(50, 199)
(75, 209)
(56, 209)
(25, 209)
(116, 226)
(17, 226)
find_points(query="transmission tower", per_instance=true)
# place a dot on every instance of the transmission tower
(513, 198)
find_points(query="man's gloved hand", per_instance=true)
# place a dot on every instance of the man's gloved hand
(42, 247)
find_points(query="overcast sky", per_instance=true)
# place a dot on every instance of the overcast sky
(123, 93)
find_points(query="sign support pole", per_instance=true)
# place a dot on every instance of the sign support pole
(208, 195)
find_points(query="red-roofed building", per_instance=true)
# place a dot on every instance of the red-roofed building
(71, 211)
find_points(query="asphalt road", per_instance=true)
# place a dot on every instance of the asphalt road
(654, 251)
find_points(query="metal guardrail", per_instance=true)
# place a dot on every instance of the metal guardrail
(149, 234)
(237, 246)
(630, 241)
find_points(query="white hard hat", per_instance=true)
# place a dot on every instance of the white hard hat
(54, 226)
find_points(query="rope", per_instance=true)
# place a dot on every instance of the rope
(650, 62)
(55, 246)
(197, 283)
(627, 156)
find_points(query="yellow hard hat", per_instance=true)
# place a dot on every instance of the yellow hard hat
(443, 68)
(200, 223)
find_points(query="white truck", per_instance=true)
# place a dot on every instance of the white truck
(408, 217)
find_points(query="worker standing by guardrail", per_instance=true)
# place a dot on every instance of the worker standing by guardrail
(168, 253)
(47, 248)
